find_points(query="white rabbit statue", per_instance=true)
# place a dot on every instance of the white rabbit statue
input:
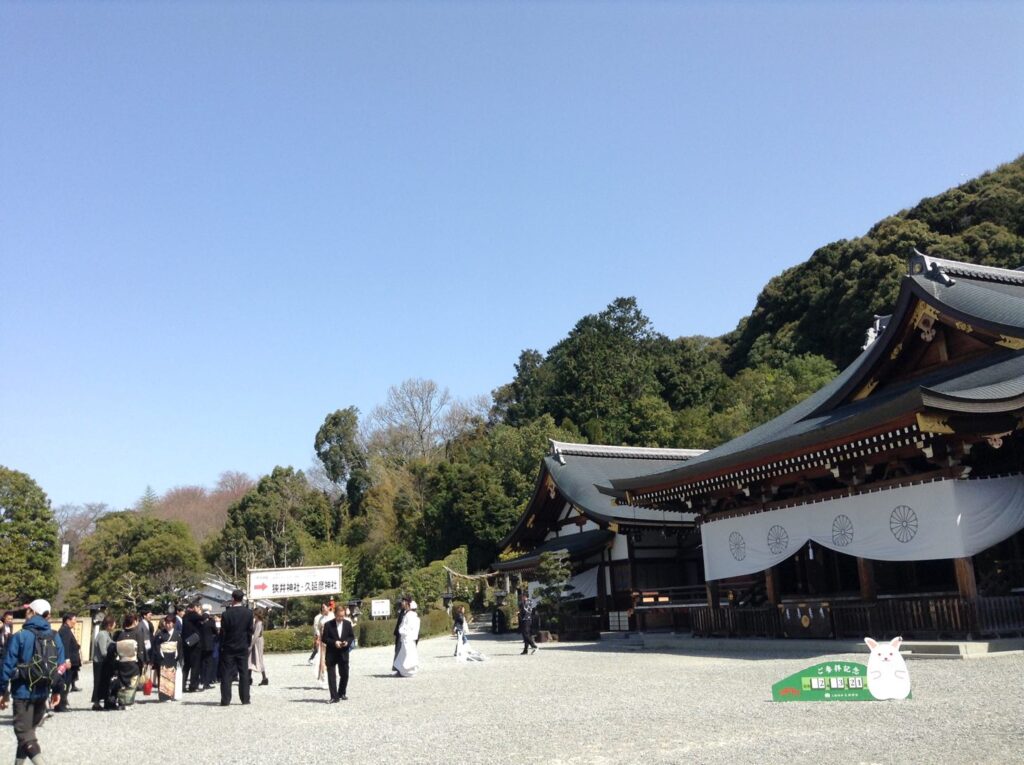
(888, 677)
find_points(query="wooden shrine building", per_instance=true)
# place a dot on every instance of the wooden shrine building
(615, 550)
(889, 502)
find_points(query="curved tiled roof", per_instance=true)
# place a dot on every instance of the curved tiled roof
(986, 297)
(578, 546)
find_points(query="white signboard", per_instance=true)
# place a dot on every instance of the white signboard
(380, 608)
(298, 582)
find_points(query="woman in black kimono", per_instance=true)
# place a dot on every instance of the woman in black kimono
(168, 654)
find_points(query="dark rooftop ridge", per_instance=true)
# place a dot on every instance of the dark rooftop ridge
(941, 270)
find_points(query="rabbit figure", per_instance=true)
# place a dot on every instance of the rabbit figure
(888, 677)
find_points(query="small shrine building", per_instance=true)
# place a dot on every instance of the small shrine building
(617, 551)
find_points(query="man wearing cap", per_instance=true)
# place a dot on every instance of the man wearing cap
(235, 639)
(29, 702)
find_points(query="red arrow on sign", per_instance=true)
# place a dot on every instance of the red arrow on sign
(260, 587)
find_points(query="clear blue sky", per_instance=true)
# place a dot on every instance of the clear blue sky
(221, 221)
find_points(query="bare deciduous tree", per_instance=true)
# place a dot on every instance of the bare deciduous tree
(76, 522)
(409, 424)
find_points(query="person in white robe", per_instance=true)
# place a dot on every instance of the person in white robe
(408, 661)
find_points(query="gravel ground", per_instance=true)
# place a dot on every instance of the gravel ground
(569, 703)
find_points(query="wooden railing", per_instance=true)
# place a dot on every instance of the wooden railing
(921, 618)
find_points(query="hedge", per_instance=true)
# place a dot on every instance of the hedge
(370, 633)
(285, 640)
(382, 631)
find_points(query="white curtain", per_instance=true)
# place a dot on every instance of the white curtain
(941, 519)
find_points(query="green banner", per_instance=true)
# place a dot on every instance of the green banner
(831, 681)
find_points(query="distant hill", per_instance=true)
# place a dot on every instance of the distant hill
(824, 306)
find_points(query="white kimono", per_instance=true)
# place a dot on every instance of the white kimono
(408, 660)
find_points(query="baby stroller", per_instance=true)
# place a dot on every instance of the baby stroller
(125, 680)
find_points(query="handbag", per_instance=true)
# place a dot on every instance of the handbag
(147, 687)
(192, 639)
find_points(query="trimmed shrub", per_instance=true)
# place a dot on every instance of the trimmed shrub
(382, 631)
(376, 632)
(285, 640)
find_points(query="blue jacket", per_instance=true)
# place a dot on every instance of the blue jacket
(19, 651)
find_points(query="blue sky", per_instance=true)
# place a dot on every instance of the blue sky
(221, 221)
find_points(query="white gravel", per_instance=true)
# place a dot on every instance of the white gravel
(569, 703)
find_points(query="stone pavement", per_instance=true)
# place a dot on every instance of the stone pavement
(569, 703)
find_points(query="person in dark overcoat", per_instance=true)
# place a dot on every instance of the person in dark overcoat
(337, 637)
(403, 606)
(73, 652)
(191, 636)
(208, 642)
(235, 639)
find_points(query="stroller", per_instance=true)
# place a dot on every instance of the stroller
(125, 681)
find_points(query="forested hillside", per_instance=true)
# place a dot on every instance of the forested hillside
(423, 474)
(824, 305)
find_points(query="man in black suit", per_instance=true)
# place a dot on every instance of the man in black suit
(337, 637)
(191, 635)
(208, 642)
(235, 638)
(73, 652)
(403, 606)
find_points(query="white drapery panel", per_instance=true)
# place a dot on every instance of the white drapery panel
(941, 519)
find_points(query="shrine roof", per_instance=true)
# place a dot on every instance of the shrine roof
(578, 545)
(578, 469)
(987, 298)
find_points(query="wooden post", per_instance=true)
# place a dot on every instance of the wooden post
(771, 585)
(713, 593)
(866, 574)
(965, 581)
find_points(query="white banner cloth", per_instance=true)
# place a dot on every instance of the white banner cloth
(937, 520)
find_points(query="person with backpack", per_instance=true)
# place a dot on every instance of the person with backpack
(32, 672)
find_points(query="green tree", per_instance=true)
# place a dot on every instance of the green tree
(272, 526)
(133, 557)
(338, 445)
(553, 574)
(28, 540)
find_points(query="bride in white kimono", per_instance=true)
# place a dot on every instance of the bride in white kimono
(408, 660)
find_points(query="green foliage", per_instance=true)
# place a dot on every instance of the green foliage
(373, 632)
(28, 540)
(824, 306)
(339, 448)
(286, 640)
(276, 524)
(133, 557)
(427, 584)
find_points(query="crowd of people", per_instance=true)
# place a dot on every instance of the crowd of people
(189, 651)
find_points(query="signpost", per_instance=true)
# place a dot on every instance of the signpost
(296, 582)
(380, 609)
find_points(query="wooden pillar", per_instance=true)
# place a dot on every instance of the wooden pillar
(965, 581)
(866, 574)
(713, 593)
(771, 586)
